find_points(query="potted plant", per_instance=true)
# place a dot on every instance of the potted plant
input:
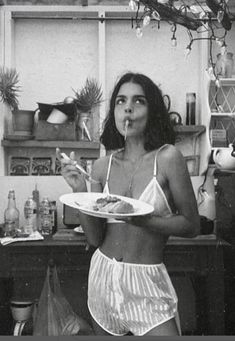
(9, 89)
(86, 101)
(9, 92)
(19, 122)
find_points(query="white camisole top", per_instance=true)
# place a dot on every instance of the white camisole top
(152, 194)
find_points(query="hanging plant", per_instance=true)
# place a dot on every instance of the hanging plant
(89, 96)
(9, 89)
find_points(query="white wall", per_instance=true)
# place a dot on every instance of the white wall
(154, 56)
(52, 57)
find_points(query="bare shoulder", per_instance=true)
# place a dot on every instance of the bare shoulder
(170, 153)
(171, 159)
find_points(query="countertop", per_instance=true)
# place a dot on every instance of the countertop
(70, 237)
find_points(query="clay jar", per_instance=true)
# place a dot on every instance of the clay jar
(225, 65)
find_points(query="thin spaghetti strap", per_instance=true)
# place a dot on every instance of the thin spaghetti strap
(155, 160)
(109, 166)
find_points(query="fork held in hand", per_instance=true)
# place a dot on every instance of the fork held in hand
(81, 170)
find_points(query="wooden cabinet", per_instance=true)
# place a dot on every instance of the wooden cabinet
(25, 272)
(222, 121)
(200, 260)
(222, 106)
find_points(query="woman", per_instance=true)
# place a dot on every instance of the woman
(129, 290)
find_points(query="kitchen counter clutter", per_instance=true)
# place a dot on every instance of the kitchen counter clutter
(200, 260)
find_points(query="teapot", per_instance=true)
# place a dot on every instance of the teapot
(225, 158)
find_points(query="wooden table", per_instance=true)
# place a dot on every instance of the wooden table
(24, 265)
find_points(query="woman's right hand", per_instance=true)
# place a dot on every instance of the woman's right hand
(70, 173)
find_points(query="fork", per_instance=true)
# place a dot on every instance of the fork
(81, 169)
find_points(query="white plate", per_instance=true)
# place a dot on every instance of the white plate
(85, 200)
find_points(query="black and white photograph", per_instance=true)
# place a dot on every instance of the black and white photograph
(117, 168)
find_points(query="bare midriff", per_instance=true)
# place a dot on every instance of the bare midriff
(133, 244)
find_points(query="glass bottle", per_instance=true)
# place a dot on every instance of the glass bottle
(54, 216)
(30, 214)
(219, 66)
(190, 108)
(229, 64)
(225, 65)
(45, 225)
(36, 198)
(11, 216)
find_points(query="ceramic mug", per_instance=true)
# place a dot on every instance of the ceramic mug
(57, 117)
(21, 310)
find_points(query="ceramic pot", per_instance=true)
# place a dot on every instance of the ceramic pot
(21, 310)
(225, 158)
(23, 122)
(225, 65)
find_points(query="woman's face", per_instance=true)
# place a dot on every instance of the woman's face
(131, 104)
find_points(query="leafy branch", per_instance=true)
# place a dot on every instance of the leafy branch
(9, 89)
(89, 96)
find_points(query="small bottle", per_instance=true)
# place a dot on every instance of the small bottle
(229, 65)
(36, 198)
(30, 214)
(11, 216)
(45, 225)
(54, 216)
(190, 108)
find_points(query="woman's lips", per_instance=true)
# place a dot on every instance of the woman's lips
(127, 123)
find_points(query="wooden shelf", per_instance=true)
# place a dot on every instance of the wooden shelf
(214, 148)
(220, 172)
(189, 130)
(222, 114)
(29, 156)
(226, 81)
(50, 144)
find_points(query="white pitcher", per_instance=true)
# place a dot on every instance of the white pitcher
(225, 158)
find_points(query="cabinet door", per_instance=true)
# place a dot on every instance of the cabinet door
(222, 106)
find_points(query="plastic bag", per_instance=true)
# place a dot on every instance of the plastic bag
(54, 315)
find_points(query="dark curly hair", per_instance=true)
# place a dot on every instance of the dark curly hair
(159, 129)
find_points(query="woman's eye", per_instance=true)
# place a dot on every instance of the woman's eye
(119, 101)
(140, 101)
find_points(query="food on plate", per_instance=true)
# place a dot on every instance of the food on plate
(112, 204)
